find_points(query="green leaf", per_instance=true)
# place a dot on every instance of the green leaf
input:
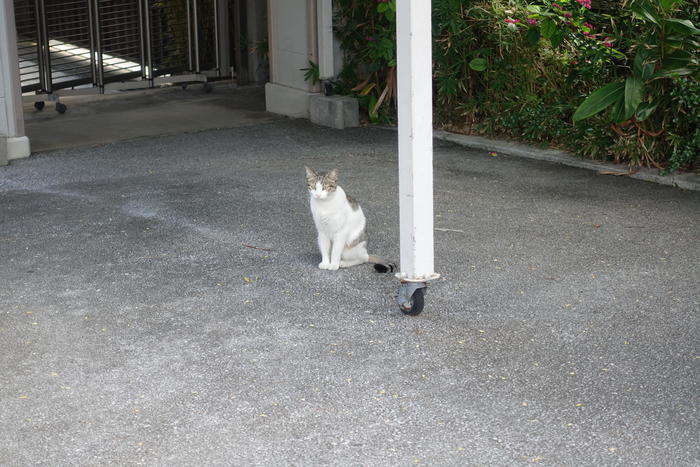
(311, 73)
(677, 41)
(633, 95)
(533, 8)
(674, 72)
(382, 7)
(644, 110)
(647, 71)
(618, 111)
(667, 4)
(448, 86)
(682, 26)
(548, 28)
(600, 100)
(557, 38)
(644, 11)
(677, 59)
(478, 64)
(642, 67)
(373, 116)
(533, 36)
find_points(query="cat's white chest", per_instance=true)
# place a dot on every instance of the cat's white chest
(327, 217)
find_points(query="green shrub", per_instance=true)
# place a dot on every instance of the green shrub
(521, 70)
(684, 134)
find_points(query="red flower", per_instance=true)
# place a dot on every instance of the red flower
(512, 21)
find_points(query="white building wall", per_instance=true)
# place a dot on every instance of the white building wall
(292, 38)
(11, 116)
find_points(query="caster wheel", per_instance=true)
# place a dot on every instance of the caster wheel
(415, 304)
(207, 88)
(61, 108)
(184, 86)
(39, 105)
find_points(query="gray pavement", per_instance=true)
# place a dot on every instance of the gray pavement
(139, 326)
(119, 116)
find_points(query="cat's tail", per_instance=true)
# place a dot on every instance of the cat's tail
(381, 265)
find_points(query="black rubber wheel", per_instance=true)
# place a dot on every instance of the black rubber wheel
(416, 305)
(61, 108)
(183, 86)
(207, 88)
(39, 105)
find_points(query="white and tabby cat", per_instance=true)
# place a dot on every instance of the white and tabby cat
(340, 223)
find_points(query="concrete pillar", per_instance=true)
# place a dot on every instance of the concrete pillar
(326, 46)
(415, 120)
(224, 38)
(3, 150)
(11, 109)
(293, 43)
(256, 33)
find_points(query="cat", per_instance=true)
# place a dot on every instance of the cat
(340, 223)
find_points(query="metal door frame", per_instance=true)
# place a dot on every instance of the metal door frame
(100, 78)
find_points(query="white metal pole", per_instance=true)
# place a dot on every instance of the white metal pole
(415, 120)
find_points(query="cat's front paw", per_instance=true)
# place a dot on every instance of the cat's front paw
(333, 266)
(323, 265)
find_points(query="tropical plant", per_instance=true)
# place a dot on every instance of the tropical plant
(367, 34)
(668, 50)
(312, 73)
(607, 79)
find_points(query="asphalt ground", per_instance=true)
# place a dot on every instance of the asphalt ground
(160, 304)
(118, 116)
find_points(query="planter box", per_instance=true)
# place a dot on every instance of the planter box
(334, 111)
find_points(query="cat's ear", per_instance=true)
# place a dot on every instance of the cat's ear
(333, 175)
(310, 173)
